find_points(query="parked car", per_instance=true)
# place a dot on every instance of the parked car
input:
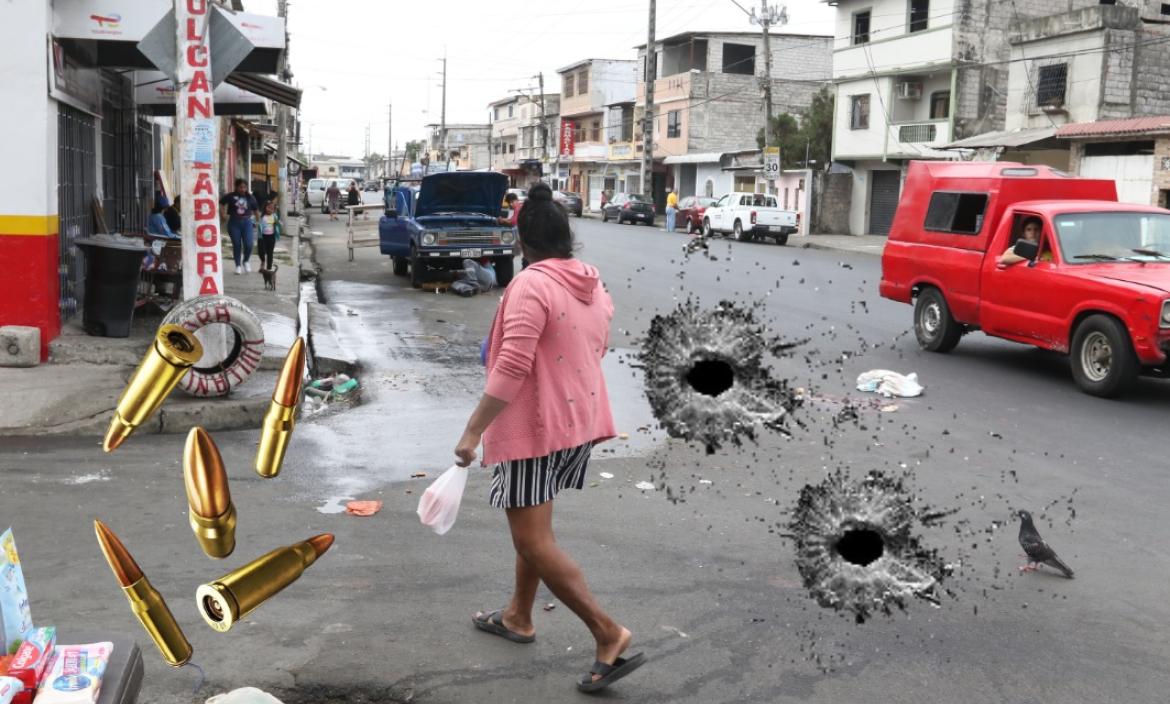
(749, 216)
(449, 218)
(632, 207)
(315, 192)
(571, 201)
(690, 213)
(1095, 284)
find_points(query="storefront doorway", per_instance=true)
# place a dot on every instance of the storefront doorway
(76, 187)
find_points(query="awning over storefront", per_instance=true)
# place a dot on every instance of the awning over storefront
(266, 87)
(701, 158)
(1005, 138)
(109, 32)
(155, 94)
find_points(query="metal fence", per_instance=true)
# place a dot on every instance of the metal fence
(127, 157)
(76, 187)
(910, 134)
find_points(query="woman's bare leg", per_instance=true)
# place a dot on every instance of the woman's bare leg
(533, 538)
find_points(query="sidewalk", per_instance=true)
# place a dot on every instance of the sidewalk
(78, 388)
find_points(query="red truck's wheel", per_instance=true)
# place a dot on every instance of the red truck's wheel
(934, 326)
(1102, 357)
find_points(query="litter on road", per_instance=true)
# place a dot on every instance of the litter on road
(644, 486)
(888, 383)
(606, 475)
(363, 508)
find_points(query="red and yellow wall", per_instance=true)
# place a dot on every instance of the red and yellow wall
(29, 286)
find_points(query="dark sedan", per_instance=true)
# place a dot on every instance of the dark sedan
(632, 207)
(690, 213)
(571, 201)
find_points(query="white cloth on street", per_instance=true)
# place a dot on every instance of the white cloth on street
(888, 383)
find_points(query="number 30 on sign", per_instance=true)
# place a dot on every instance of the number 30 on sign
(771, 163)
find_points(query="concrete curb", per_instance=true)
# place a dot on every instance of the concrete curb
(244, 414)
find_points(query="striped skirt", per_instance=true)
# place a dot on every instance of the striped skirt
(523, 483)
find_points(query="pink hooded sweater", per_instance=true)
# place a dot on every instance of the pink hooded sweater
(544, 359)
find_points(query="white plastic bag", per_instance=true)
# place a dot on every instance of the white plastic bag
(888, 383)
(439, 504)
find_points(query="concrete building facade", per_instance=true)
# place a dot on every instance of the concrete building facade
(594, 93)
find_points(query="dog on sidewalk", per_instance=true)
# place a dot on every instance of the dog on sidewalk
(270, 277)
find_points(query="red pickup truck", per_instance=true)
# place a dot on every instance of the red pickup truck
(1091, 278)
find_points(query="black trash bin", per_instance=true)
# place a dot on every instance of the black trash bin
(111, 285)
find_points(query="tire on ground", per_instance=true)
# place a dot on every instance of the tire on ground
(246, 345)
(401, 265)
(935, 328)
(1102, 358)
(418, 270)
(505, 270)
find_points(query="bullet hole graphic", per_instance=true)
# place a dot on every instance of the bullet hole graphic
(856, 547)
(711, 377)
(706, 377)
(860, 545)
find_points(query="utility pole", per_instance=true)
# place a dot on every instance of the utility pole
(443, 116)
(282, 129)
(491, 121)
(767, 17)
(389, 139)
(648, 117)
(543, 122)
(366, 158)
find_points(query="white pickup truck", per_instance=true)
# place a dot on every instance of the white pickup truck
(750, 216)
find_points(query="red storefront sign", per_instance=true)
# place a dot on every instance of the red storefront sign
(567, 144)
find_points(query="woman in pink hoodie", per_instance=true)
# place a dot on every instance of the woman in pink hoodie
(544, 408)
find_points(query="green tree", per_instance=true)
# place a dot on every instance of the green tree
(811, 130)
(414, 149)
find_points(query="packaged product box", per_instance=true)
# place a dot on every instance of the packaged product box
(28, 665)
(74, 674)
(15, 619)
(10, 688)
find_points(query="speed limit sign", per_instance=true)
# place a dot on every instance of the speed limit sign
(771, 163)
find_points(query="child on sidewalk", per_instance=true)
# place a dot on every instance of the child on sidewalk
(269, 234)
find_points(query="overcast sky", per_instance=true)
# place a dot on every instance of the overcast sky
(352, 58)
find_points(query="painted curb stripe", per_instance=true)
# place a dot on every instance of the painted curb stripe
(30, 225)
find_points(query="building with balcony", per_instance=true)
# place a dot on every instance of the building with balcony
(915, 78)
(524, 138)
(709, 100)
(597, 110)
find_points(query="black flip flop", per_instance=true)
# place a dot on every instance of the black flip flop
(494, 623)
(609, 673)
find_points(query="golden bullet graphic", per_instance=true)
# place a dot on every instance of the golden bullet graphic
(278, 422)
(211, 512)
(172, 353)
(146, 603)
(235, 595)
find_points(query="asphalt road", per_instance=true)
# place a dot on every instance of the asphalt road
(708, 584)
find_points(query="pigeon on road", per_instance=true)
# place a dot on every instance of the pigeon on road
(1038, 551)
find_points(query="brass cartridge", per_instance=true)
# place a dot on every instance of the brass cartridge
(278, 424)
(230, 598)
(210, 510)
(145, 601)
(172, 353)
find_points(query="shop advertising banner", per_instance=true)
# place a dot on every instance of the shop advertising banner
(567, 143)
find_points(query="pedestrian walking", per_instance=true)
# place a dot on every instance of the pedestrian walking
(544, 362)
(333, 197)
(269, 234)
(353, 197)
(671, 209)
(241, 210)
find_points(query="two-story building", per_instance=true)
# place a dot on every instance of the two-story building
(597, 97)
(913, 77)
(708, 97)
(1098, 78)
(462, 147)
(524, 138)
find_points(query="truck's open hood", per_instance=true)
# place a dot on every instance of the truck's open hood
(462, 192)
(1154, 275)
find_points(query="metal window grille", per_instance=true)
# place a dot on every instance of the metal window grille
(76, 176)
(911, 134)
(1050, 84)
(861, 27)
(127, 183)
(673, 124)
(919, 15)
(583, 83)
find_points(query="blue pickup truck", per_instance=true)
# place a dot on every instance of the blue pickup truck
(448, 218)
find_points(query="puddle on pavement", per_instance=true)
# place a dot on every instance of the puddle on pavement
(418, 389)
